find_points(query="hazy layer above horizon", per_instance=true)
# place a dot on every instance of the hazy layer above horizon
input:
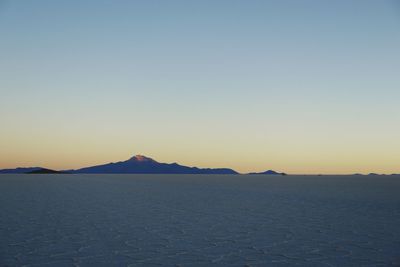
(298, 86)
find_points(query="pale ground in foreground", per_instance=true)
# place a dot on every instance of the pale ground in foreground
(199, 220)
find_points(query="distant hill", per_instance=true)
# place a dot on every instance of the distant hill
(45, 171)
(269, 172)
(142, 164)
(21, 170)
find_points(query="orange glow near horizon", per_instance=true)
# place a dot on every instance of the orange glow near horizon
(312, 164)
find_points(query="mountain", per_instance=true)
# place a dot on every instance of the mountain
(142, 164)
(20, 170)
(269, 172)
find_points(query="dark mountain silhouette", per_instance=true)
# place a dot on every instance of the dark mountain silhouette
(142, 164)
(20, 170)
(45, 171)
(269, 172)
(138, 164)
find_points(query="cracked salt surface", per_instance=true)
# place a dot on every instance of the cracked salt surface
(199, 220)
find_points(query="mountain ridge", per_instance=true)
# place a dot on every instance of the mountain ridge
(142, 164)
(138, 164)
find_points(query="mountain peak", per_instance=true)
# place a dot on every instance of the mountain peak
(141, 158)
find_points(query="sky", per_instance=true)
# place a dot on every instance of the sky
(295, 86)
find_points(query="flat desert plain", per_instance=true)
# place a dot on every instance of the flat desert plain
(199, 220)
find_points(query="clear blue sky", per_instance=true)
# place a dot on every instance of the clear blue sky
(297, 86)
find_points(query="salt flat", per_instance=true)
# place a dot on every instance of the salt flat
(199, 220)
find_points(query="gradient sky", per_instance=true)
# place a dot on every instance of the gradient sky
(295, 86)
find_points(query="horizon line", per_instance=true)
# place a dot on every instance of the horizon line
(141, 157)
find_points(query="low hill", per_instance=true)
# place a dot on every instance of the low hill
(269, 172)
(45, 171)
(20, 170)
